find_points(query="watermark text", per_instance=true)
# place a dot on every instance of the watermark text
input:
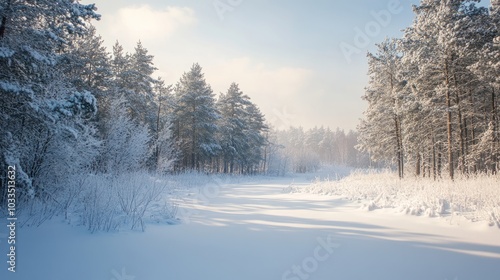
(11, 218)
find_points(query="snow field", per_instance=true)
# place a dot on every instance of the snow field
(248, 228)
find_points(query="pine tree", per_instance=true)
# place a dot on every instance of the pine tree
(43, 112)
(195, 119)
(255, 135)
(133, 78)
(381, 130)
(440, 44)
(120, 65)
(140, 84)
(232, 127)
(88, 67)
(164, 154)
(88, 64)
(447, 92)
(485, 30)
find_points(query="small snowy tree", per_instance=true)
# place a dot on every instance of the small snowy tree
(125, 146)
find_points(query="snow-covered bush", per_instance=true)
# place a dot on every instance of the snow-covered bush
(125, 148)
(476, 197)
(99, 207)
(112, 202)
(135, 195)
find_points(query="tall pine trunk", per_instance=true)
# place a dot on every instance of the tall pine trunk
(449, 127)
(495, 142)
(3, 23)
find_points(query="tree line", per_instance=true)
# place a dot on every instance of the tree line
(71, 107)
(298, 150)
(68, 106)
(433, 95)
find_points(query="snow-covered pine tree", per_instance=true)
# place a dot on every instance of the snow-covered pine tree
(381, 129)
(232, 127)
(132, 80)
(325, 145)
(89, 64)
(42, 111)
(164, 151)
(255, 135)
(485, 30)
(313, 140)
(88, 67)
(296, 152)
(195, 118)
(447, 96)
(140, 87)
(274, 157)
(442, 45)
(120, 65)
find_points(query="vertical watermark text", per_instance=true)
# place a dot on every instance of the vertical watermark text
(11, 218)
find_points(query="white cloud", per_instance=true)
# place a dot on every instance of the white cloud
(273, 89)
(257, 77)
(133, 23)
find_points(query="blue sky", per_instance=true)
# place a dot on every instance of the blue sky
(285, 55)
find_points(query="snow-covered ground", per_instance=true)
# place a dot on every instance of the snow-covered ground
(476, 197)
(255, 229)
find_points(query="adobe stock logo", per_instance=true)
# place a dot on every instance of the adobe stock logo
(282, 119)
(363, 37)
(210, 191)
(309, 265)
(223, 7)
(121, 276)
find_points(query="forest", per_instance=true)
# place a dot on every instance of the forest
(111, 168)
(73, 109)
(434, 94)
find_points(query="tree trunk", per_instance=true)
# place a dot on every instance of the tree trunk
(2, 27)
(418, 165)
(157, 148)
(398, 132)
(462, 125)
(265, 155)
(193, 139)
(473, 129)
(462, 141)
(439, 161)
(3, 23)
(398, 148)
(449, 125)
(494, 120)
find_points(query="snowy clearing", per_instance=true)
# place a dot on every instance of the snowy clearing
(256, 230)
(476, 198)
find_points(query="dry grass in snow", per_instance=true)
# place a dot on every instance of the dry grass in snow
(476, 198)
